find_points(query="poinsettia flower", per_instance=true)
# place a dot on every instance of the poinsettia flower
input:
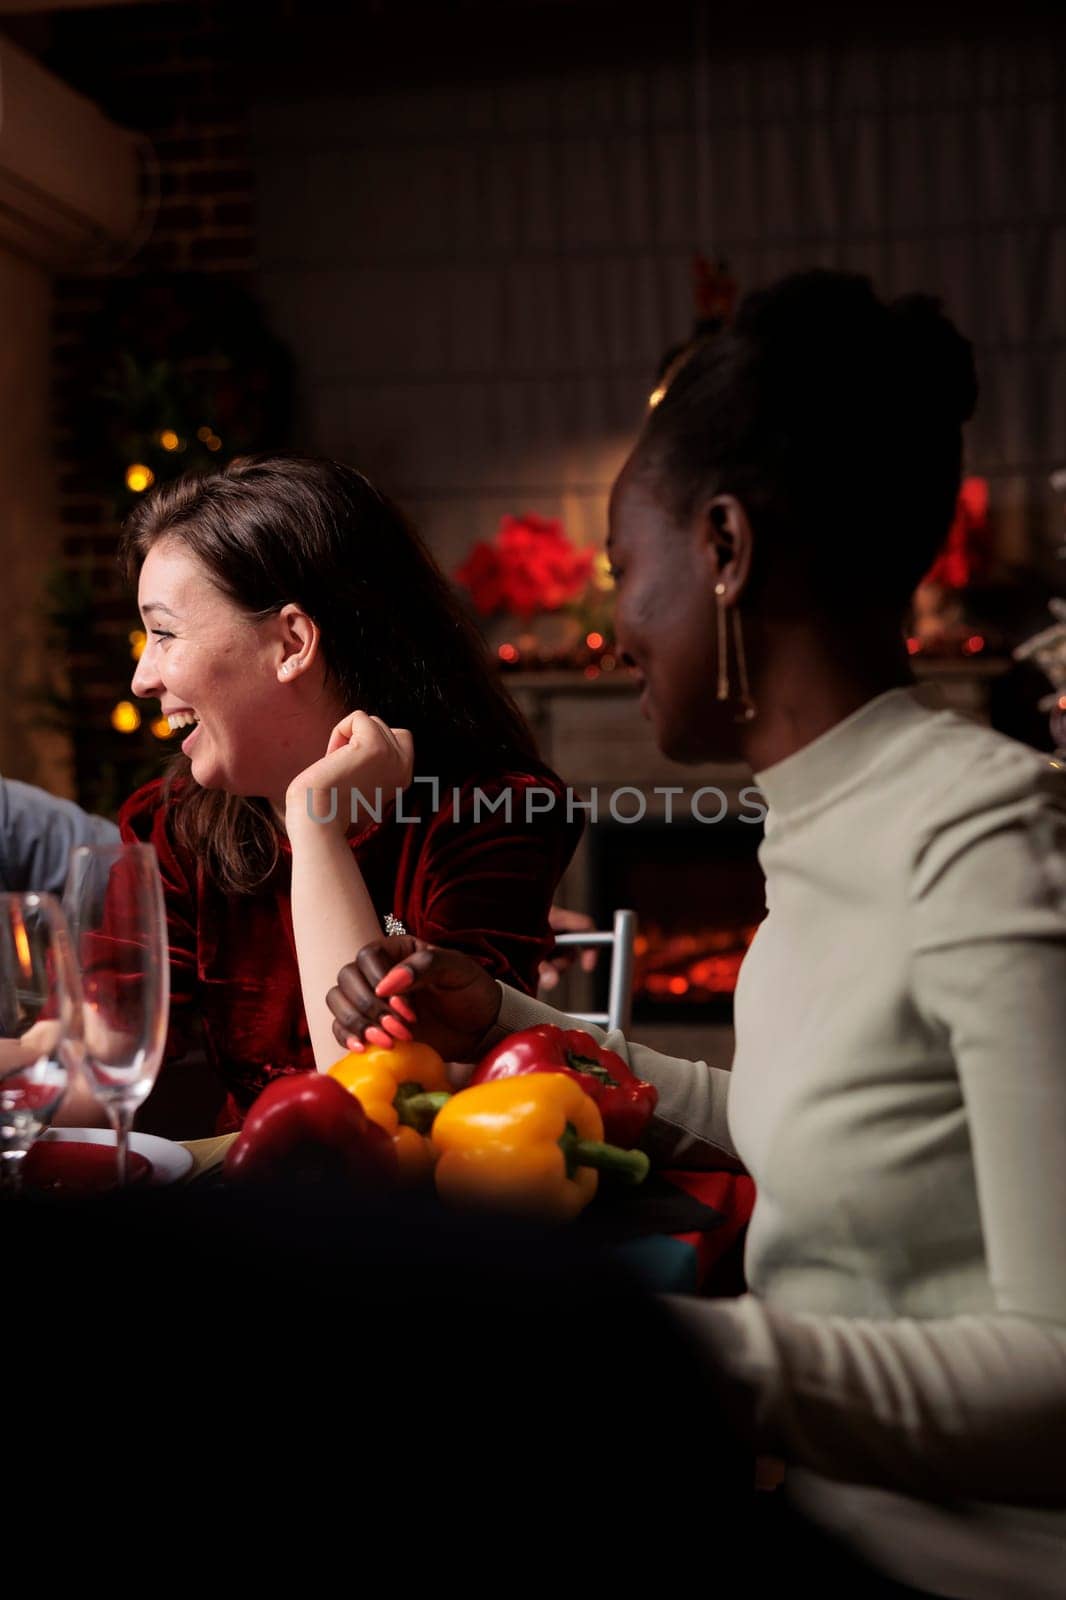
(520, 532)
(481, 574)
(531, 567)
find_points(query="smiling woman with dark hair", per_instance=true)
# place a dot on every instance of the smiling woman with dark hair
(302, 641)
(898, 1090)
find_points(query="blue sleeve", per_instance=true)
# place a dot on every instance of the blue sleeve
(38, 832)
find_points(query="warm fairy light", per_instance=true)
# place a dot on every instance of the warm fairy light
(161, 728)
(125, 718)
(139, 477)
(913, 646)
(209, 437)
(138, 640)
(169, 439)
(656, 395)
(678, 986)
(608, 663)
(594, 641)
(974, 644)
(508, 652)
(592, 672)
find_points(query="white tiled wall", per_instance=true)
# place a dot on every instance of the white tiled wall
(479, 279)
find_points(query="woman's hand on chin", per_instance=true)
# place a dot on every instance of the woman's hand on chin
(364, 754)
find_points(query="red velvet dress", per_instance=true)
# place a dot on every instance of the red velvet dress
(482, 886)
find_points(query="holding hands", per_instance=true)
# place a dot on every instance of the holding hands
(457, 1000)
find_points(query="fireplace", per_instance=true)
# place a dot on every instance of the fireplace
(699, 896)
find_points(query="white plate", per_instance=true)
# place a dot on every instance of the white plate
(170, 1161)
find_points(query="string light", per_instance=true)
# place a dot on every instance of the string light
(209, 437)
(161, 728)
(913, 646)
(974, 644)
(594, 641)
(139, 477)
(169, 439)
(656, 396)
(138, 640)
(507, 652)
(125, 718)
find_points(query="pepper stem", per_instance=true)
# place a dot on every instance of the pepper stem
(416, 1107)
(629, 1167)
(594, 1069)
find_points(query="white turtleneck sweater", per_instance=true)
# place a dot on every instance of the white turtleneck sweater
(898, 1093)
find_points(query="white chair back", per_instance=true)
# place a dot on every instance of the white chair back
(619, 940)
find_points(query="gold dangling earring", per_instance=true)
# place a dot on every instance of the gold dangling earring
(747, 710)
(723, 643)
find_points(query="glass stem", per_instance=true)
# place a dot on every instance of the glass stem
(11, 1170)
(122, 1121)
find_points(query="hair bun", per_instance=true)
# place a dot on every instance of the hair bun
(834, 327)
(819, 308)
(942, 359)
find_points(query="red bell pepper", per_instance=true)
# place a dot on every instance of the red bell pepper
(625, 1102)
(306, 1126)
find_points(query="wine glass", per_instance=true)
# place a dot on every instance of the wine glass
(40, 1022)
(114, 904)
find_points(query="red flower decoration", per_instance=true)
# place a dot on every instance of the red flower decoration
(531, 567)
(481, 575)
(965, 553)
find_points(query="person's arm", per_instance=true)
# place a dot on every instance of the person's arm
(561, 958)
(974, 1404)
(37, 833)
(690, 1127)
(332, 913)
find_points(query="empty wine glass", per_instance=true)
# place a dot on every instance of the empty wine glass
(40, 1022)
(114, 904)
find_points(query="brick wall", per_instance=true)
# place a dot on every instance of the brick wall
(171, 73)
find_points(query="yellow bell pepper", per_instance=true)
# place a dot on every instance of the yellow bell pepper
(401, 1090)
(531, 1144)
